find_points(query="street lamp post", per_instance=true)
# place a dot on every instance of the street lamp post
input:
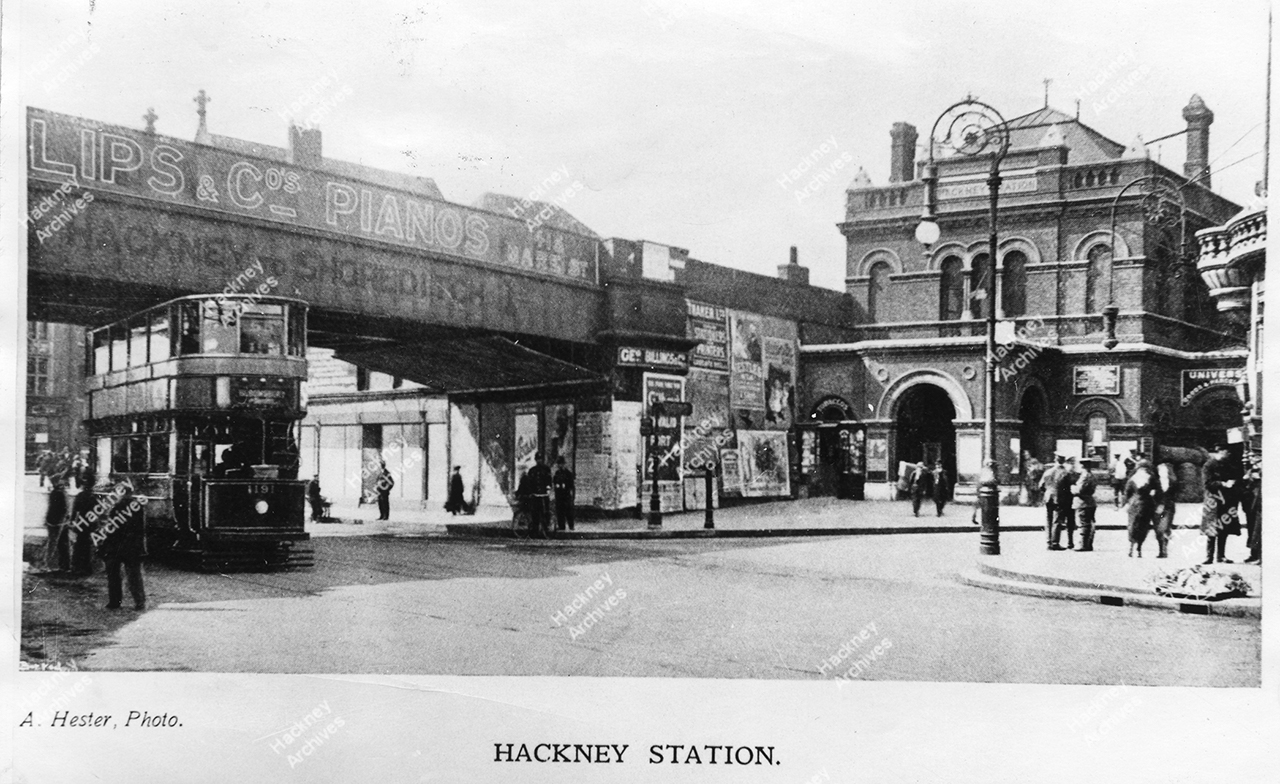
(973, 128)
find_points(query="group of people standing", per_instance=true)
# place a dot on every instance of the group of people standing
(1149, 494)
(929, 482)
(78, 528)
(1069, 498)
(535, 491)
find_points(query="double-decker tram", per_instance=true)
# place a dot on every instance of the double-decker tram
(196, 403)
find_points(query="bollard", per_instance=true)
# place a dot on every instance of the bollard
(711, 514)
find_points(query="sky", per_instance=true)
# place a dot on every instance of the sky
(680, 121)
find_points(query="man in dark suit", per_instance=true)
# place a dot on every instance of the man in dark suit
(1065, 512)
(941, 487)
(540, 492)
(563, 483)
(121, 541)
(385, 482)
(1048, 489)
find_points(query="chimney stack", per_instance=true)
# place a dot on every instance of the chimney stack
(304, 147)
(1199, 118)
(902, 162)
(793, 272)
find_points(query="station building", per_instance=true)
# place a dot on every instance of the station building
(909, 386)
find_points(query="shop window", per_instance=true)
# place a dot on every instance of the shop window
(37, 330)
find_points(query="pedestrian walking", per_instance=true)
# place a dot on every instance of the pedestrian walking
(1141, 496)
(1085, 505)
(1219, 519)
(1168, 480)
(57, 551)
(383, 487)
(1065, 513)
(455, 503)
(941, 487)
(82, 526)
(921, 487)
(539, 491)
(122, 544)
(563, 484)
(1049, 481)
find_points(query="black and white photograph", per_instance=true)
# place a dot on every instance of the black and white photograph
(443, 391)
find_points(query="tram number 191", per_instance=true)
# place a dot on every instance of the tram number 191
(261, 489)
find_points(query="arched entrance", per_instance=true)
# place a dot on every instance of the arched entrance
(1032, 438)
(926, 428)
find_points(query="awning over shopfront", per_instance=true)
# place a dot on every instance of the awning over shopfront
(479, 368)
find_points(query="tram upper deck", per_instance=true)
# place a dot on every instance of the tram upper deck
(201, 354)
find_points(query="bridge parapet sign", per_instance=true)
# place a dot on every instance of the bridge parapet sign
(114, 159)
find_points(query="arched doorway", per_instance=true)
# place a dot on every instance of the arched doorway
(926, 428)
(1032, 438)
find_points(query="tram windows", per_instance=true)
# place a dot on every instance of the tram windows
(158, 336)
(200, 459)
(119, 455)
(261, 335)
(119, 347)
(189, 327)
(158, 458)
(297, 331)
(138, 342)
(103, 455)
(218, 329)
(137, 454)
(101, 352)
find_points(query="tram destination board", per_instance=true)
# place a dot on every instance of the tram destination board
(261, 393)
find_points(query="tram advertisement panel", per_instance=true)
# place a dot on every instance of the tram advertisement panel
(110, 158)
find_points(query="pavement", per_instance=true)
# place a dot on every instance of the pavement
(1105, 576)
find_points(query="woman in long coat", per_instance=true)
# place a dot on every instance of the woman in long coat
(1168, 506)
(455, 502)
(1219, 518)
(1141, 495)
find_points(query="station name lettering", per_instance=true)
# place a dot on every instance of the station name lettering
(659, 753)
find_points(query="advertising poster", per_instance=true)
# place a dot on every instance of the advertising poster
(666, 439)
(560, 434)
(877, 454)
(746, 366)
(780, 382)
(730, 472)
(709, 394)
(707, 323)
(526, 438)
(763, 458)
